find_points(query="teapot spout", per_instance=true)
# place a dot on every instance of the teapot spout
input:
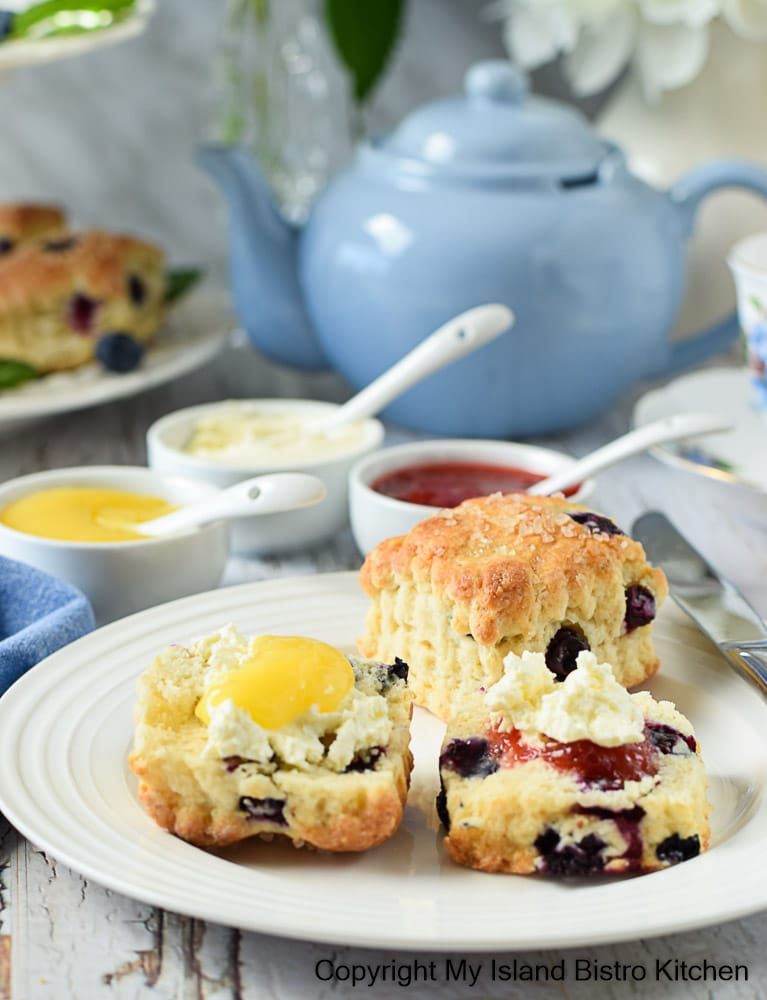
(263, 260)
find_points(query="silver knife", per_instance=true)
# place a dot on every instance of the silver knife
(713, 603)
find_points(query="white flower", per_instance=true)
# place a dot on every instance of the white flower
(665, 41)
(747, 18)
(669, 56)
(602, 51)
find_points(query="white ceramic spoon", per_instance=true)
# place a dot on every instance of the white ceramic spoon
(676, 428)
(259, 495)
(456, 338)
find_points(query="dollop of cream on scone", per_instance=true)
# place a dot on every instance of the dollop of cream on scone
(588, 705)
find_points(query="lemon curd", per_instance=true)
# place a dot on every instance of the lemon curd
(83, 514)
(282, 678)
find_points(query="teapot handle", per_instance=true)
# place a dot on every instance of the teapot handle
(686, 195)
(689, 192)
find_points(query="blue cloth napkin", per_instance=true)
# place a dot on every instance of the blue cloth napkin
(38, 615)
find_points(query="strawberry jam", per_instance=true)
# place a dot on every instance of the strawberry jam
(594, 765)
(446, 484)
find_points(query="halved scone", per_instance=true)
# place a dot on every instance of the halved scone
(327, 763)
(571, 779)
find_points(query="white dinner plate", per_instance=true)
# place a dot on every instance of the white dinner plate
(66, 729)
(192, 334)
(22, 54)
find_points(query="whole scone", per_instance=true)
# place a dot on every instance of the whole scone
(335, 779)
(578, 778)
(57, 297)
(508, 573)
(26, 222)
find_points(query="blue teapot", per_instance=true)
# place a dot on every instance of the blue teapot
(494, 196)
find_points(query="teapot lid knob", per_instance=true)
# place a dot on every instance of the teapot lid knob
(497, 80)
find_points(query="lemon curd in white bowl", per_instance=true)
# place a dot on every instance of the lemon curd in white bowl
(127, 573)
(376, 516)
(225, 442)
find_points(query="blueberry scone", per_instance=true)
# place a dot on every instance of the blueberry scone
(508, 573)
(58, 297)
(273, 735)
(573, 778)
(22, 223)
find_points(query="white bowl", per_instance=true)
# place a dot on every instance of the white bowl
(375, 516)
(122, 577)
(269, 533)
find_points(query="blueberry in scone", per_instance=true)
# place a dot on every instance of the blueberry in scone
(571, 778)
(58, 297)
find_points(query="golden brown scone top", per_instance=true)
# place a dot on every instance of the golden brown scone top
(21, 221)
(501, 559)
(98, 260)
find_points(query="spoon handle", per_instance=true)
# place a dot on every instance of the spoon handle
(675, 428)
(259, 495)
(457, 337)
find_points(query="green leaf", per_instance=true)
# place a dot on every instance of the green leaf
(365, 36)
(14, 373)
(60, 17)
(181, 280)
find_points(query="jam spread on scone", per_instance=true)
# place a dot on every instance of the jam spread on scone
(285, 735)
(591, 764)
(571, 777)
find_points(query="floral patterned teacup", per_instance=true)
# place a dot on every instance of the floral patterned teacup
(748, 262)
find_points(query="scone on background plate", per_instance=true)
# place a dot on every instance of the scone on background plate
(27, 222)
(273, 735)
(571, 779)
(502, 574)
(57, 297)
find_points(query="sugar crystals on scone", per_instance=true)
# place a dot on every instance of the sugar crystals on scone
(508, 573)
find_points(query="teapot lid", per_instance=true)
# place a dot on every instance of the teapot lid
(497, 130)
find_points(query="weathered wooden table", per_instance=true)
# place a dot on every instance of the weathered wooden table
(63, 937)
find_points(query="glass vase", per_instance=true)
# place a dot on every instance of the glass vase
(285, 95)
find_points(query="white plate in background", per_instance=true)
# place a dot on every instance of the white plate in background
(66, 729)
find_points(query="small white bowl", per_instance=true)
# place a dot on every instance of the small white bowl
(270, 533)
(375, 516)
(122, 577)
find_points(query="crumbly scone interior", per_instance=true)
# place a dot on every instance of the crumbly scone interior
(213, 800)
(501, 820)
